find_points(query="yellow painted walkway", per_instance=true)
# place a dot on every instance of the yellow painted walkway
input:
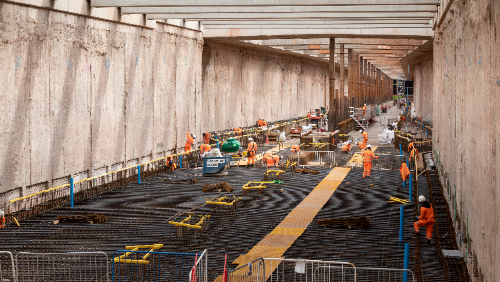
(275, 244)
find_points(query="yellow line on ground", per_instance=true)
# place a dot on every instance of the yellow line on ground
(275, 244)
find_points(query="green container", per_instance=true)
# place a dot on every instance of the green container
(231, 145)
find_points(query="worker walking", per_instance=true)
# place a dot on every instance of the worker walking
(189, 142)
(295, 149)
(170, 164)
(251, 151)
(347, 147)
(405, 172)
(368, 156)
(426, 218)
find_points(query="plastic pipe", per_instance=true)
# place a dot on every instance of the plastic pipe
(401, 151)
(71, 191)
(410, 182)
(180, 157)
(401, 222)
(138, 174)
(216, 138)
(406, 261)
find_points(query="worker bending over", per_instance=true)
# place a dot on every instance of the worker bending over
(295, 149)
(276, 160)
(251, 151)
(347, 147)
(414, 154)
(205, 148)
(238, 131)
(368, 156)
(189, 142)
(206, 137)
(405, 172)
(426, 219)
(268, 160)
(259, 122)
(170, 164)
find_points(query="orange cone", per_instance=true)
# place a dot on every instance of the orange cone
(267, 140)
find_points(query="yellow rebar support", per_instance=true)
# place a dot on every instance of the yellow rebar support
(16, 221)
(246, 186)
(183, 224)
(152, 248)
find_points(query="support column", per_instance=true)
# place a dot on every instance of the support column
(369, 83)
(360, 81)
(350, 75)
(341, 88)
(332, 123)
(374, 88)
(365, 76)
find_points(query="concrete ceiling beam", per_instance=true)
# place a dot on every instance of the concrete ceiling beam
(354, 26)
(197, 3)
(280, 9)
(267, 16)
(314, 22)
(261, 33)
(325, 41)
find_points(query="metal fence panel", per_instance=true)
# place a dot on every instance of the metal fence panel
(298, 270)
(369, 274)
(146, 266)
(251, 272)
(7, 268)
(73, 266)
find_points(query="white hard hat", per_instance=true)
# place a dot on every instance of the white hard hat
(361, 131)
(369, 146)
(350, 141)
(194, 136)
(250, 139)
(365, 104)
(421, 199)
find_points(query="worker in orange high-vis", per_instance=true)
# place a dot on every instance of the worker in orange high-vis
(295, 149)
(264, 122)
(170, 164)
(364, 110)
(268, 160)
(206, 137)
(411, 146)
(368, 156)
(414, 154)
(347, 147)
(205, 148)
(2, 219)
(426, 219)
(251, 151)
(189, 142)
(259, 123)
(238, 131)
(276, 160)
(405, 172)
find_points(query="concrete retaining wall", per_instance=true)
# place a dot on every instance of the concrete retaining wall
(467, 138)
(77, 91)
(242, 85)
(423, 89)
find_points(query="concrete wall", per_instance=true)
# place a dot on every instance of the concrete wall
(423, 89)
(241, 85)
(76, 89)
(466, 122)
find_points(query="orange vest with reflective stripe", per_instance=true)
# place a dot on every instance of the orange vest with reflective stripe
(252, 147)
(368, 156)
(405, 172)
(205, 148)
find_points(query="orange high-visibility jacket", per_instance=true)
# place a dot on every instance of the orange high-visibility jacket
(264, 123)
(368, 155)
(405, 172)
(347, 147)
(205, 148)
(414, 153)
(206, 137)
(295, 149)
(252, 148)
(426, 213)
(364, 108)
(276, 160)
(410, 146)
(189, 139)
(365, 135)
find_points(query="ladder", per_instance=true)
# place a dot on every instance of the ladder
(357, 115)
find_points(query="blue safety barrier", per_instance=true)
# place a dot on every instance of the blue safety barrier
(400, 151)
(138, 174)
(406, 261)
(180, 161)
(410, 182)
(146, 266)
(401, 222)
(71, 191)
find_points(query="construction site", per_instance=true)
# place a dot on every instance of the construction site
(249, 140)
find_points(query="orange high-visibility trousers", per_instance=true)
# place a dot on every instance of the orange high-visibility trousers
(367, 169)
(187, 147)
(428, 227)
(251, 158)
(2, 222)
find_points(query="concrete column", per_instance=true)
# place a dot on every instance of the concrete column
(349, 80)
(373, 80)
(368, 83)
(360, 81)
(332, 112)
(365, 80)
(341, 88)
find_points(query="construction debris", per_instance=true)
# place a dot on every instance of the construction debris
(306, 171)
(349, 222)
(91, 218)
(181, 181)
(218, 186)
